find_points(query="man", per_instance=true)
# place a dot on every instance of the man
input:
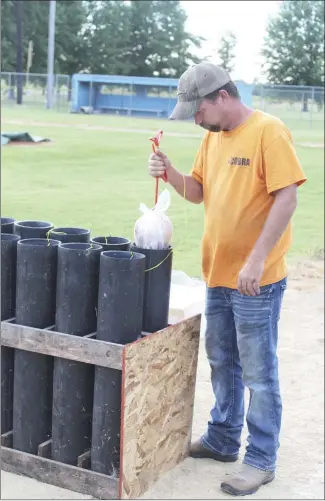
(246, 172)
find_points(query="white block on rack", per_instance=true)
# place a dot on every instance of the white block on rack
(187, 297)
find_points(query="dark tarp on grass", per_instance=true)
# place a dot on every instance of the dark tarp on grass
(21, 137)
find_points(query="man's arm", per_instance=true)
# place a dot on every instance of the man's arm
(278, 219)
(186, 186)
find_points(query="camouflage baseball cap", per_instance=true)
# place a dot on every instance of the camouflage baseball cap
(197, 82)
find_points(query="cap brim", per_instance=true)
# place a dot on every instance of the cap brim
(185, 110)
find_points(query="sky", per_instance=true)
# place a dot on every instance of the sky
(246, 18)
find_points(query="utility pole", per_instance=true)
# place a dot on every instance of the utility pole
(50, 55)
(18, 7)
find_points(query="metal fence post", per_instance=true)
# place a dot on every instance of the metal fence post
(90, 93)
(69, 89)
(9, 86)
(50, 50)
(131, 98)
(57, 92)
(312, 106)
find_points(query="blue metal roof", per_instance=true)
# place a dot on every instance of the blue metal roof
(117, 79)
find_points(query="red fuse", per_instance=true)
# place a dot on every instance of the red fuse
(155, 146)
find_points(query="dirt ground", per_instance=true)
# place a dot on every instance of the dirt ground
(300, 473)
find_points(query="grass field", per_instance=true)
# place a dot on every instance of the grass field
(96, 178)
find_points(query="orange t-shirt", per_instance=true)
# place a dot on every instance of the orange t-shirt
(239, 170)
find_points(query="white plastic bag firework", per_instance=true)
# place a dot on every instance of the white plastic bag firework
(153, 230)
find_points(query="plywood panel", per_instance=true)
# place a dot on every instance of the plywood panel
(159, 374)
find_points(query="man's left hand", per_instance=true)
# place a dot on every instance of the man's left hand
(250, 276)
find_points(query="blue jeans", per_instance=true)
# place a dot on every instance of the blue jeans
(241, 345)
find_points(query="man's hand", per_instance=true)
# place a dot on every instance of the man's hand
(284, 205)
(250, 276)
(159, 163)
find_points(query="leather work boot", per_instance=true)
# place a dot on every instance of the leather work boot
(246, 480)
(198, 450)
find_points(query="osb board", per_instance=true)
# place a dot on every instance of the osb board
(159, 374)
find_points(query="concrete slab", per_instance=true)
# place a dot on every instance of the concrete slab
(18, 487)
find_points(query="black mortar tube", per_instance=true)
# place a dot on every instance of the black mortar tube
(156, 288)
(73, 382)
(113, 243)
(120, 309)
(7, 224)
(8, 303)
(8, 274)
(32, 229)
(70, 235)
(120, 298)
(35, 307)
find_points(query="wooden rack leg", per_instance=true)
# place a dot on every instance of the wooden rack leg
(44, 449)
(84, 460)
(6, 439)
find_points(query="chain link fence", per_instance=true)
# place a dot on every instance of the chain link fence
(297, 105)
(32, 89)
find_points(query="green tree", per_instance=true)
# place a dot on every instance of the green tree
(8, 36)
(106, 36)
(70, 18)
(226, 50)
(139, 38)
(294, 46)
(160, 44)
(146, 38)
